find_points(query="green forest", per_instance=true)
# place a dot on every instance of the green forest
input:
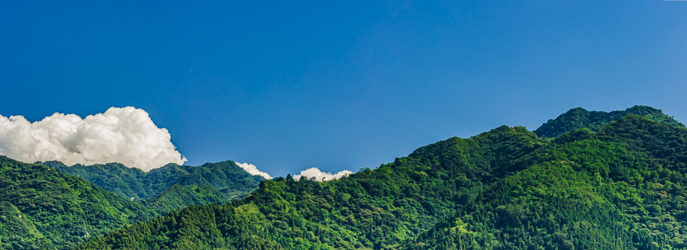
(226, 177)
(43, 208)
(585, 180)
(621, 187)
(578, 118)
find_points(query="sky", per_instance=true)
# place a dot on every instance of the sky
(292, 85)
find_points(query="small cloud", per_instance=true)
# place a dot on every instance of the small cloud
(321, 176)
(252, 169)
(124, 135)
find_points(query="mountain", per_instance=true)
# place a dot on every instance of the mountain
(621, 186)
(225, 176)
(381, 208)
(578, 118)
(177, 197)
(41, 208)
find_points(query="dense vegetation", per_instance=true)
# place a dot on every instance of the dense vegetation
(578, 118)
(601, 183)
(178, 197)
(41, 208)
(622, 187)
(225, 176)
(373, 208)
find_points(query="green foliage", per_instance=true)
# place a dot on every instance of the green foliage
(618, 186)
(17, 232)
(622, 188)
(178, 197)
(41, 208)
(372, 209)
(595, 120)
(132, 182)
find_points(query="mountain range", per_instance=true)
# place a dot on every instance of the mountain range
(226, 177)
(585, 180)
(52, 206)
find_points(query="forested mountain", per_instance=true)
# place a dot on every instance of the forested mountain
(622, 187)
(578, 118)
(382, 207)
(618, 186)
(41, 208)
(178, 197)
(225, 176)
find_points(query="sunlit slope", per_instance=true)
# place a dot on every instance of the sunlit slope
(377, 208)
(619, 188)
(41, 208)
(622, 188)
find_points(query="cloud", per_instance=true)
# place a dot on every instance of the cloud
(125, 135)
(319, 175)
(252, 169)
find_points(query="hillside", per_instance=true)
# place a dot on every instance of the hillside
(578, 118)
(377, 208)
(41, 208)
(178, 197)
(226, 177)
(619, 188)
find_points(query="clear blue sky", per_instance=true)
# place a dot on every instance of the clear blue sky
(287, 86)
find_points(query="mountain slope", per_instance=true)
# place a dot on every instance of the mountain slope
(132, 182)
(370, 209)
(178, 197)
(622, 187)
(578, 118)
(42, 208)
(17, 232)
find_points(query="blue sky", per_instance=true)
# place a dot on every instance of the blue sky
(288, 86)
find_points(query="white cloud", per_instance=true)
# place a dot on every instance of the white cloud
(319, 175)
(125, 135)
(252, 169)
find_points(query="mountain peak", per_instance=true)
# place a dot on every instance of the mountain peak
(577, 118)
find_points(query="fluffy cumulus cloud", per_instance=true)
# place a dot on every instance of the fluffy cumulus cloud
(252, 169)
(125, 135)
(321, 176)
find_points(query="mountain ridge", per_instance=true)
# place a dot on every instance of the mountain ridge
(43, 208)
(577, 118)
(46, 209)
(621, 187)
(132, 182)
(618, 186)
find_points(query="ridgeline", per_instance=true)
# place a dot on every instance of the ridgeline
(585, 180)
(615, 182)
(43, 208)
